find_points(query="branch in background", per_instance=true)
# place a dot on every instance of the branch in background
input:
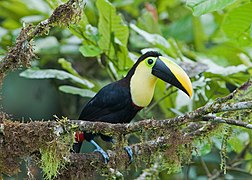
(21, 54)
(227, 121)
(200, 131)
(233, 164)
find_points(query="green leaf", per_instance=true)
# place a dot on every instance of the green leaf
(110, 26)
(203, 148)
(53, 73)
(200, 7)
(237, 22)
(68, 66)
(147, 22)
(239, 141)
(123, 59)
(90, 50)
(181, 29)
(250, 32)
(155, 39)
(165, 102)
(225, 54)
(218, 89)
(114, 35)
(77, 91)
(11, 12)
(235, 75)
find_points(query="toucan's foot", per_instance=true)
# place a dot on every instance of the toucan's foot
(100, 150)
(127, 149)
(104, 154)
(129, 152)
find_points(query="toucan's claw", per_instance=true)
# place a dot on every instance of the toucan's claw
(127, 149)
(130, 153)
(104, 154)
(100, 150)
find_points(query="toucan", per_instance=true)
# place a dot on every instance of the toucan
(120, 101)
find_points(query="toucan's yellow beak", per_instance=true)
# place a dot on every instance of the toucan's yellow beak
(172, 73)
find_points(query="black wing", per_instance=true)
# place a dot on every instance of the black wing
(111, 104)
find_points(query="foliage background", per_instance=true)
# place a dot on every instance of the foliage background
(211, 39)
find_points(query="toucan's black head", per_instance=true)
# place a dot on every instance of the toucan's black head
(141, 58)
(147, 69)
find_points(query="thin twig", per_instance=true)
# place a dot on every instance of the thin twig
(205, 167)
(227, 121)
(1, 128)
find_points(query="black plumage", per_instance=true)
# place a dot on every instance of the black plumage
(120, 101)
(113, 102)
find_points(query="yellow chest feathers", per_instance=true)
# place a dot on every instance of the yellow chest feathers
(142, 85)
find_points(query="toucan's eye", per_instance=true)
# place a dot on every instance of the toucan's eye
(150, 61)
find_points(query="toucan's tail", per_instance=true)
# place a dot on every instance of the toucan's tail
(76, 147)
(79, 138)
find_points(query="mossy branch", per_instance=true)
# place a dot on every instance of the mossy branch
(89, 164)
(195, 116)
(21, 54)
(20, 140)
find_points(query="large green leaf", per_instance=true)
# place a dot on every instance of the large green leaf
(239, 141)
(237, 22)
(57, 74)
(203, 148)
(225, 54)
(77, 91)
(148, 23)
(182, 29)
(155, 39)
(113, 33)
(200, 7)
(110, 26)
